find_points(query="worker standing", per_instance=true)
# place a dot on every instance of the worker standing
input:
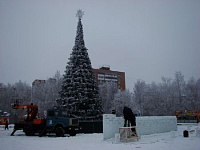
(129, 117)
(6, 124)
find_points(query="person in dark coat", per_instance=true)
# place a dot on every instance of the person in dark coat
(129, 117)
(6, 124)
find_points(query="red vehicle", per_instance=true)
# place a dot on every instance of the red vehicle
(187, 116)
(56, 121)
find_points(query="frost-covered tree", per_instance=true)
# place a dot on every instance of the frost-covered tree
(179, 83)
(140, 92)
(168, 96)
(107, 93)
(10, 92)
(79, 92)
(45, 92)
(192, 95)
(122, 99)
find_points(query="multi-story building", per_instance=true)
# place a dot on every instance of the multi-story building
(104, 74)
(101, 75)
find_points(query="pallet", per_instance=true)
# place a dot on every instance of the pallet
(126, 134)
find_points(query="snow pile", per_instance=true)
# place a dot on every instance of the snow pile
(173, 140)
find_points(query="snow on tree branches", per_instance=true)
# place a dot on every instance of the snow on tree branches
(79, 92)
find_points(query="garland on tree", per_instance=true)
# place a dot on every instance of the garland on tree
(79, 92)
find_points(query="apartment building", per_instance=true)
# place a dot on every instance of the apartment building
(104, 74)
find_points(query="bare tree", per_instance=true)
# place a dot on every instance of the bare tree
(192, 95)
(140, 92)
(8, 93)
(107, 92)
(179, 84)
(45, 93)
(122, 99)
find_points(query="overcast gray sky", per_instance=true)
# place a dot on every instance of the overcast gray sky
(147, 39)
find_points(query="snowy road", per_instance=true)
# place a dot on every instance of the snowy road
(164, 141)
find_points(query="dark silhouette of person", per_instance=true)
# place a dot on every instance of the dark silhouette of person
(113, 111)
(129, 117)
(6, 125)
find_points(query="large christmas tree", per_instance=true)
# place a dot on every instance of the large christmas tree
(79, 92)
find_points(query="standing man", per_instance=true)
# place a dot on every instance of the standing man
(129, 117)
(6, 124)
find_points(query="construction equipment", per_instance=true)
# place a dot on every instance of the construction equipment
(187, 116)
(56, 121)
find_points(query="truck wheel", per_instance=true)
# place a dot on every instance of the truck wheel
(72, 133)
(60, 132)
(29, 131)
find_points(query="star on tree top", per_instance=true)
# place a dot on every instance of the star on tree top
(79, 13)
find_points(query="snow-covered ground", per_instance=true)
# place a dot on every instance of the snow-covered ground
(163, 141)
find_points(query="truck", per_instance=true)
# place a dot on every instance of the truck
(56, 121)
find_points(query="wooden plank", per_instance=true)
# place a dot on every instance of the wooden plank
(127, 134)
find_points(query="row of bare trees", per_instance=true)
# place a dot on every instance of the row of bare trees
(11, 92)
(155, 98)
(147, 99)
(45, 94)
